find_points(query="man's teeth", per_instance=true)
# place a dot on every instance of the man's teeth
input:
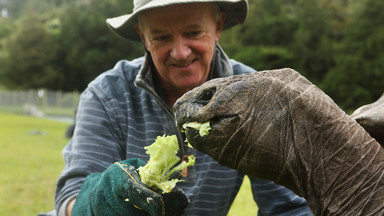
(183, 65)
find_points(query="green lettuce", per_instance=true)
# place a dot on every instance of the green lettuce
(203, 128)
(155, 174)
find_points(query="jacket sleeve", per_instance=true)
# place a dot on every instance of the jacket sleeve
(97, 143)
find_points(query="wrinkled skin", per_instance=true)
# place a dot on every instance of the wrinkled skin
(278, 126)
(371, 117)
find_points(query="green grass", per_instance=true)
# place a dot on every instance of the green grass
(244, 204)
(31, 162)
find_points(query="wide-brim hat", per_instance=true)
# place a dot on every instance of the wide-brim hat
(124, 26)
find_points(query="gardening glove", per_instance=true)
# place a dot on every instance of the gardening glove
(119, 191)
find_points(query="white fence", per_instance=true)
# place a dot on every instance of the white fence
(40, 103)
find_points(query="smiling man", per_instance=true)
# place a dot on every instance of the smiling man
(181, 40)
(129, 106)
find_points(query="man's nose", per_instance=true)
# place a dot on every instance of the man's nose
(180, 49)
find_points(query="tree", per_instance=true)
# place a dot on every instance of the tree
(63, 48)
(358, 76)
(87, 46)
(264, 41)
(30, 57)
(313, 43)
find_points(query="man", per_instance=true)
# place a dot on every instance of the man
(126, 108)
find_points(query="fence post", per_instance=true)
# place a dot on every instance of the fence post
(58, 99)
(42, 97)
(75, 101)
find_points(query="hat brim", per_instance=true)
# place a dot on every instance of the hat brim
(124, 26)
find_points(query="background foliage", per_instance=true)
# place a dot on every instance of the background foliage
(64, 44)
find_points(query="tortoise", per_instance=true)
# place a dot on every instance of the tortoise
(277, 125)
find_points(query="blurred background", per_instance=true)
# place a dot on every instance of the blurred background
(61, 45)
(51, 49)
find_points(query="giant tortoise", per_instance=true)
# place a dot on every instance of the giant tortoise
(277, 125)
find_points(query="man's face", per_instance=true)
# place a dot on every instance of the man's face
(181, 40)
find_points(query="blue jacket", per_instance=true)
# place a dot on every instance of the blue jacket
(122, 111)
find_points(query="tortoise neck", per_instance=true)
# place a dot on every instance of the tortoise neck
(332, 162)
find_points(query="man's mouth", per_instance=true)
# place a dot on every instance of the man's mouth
(184, 64)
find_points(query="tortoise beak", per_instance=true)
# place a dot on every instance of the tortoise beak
(188, 108)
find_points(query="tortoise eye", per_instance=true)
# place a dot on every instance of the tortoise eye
(206, 96)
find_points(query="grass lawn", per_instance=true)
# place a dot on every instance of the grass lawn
(244, 204)
(31, 162)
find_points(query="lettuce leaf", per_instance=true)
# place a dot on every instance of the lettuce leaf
(155, 174)
(203, 128)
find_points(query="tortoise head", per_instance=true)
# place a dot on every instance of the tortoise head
(224, 102)
(248, 114)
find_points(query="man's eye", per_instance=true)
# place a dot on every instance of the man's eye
(194, 33)
(161, 38)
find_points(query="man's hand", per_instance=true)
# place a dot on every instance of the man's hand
(119, 191)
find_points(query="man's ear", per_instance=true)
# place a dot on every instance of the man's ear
(140, 32)
(219, 24)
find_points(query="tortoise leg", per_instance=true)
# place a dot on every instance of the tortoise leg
(371, 118)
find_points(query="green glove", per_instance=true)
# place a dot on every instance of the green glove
(119, 191)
